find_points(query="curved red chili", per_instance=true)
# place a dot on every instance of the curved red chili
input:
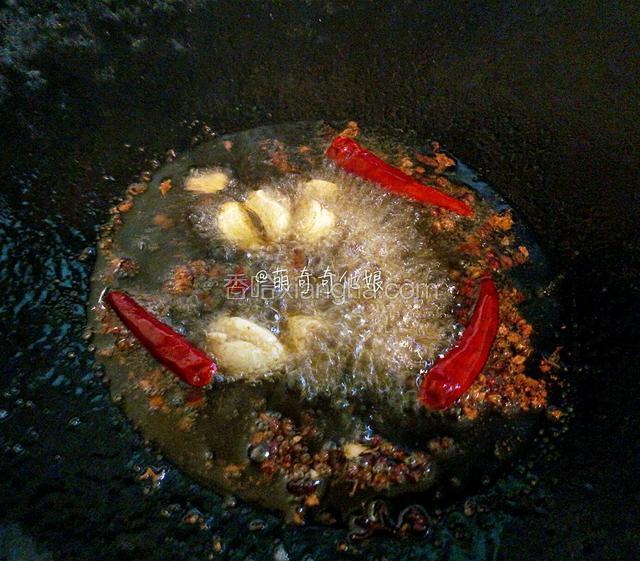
(352, 157)
(452, 375)
(189, 363)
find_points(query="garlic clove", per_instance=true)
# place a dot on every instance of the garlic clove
(313, 221)
(244, 347)
(245, 330)
(206, 181)
(272, 211)
(303, 330)
(242, 357)
(236, 226)
(320, 189)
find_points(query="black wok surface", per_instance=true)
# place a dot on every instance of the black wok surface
(541, 99)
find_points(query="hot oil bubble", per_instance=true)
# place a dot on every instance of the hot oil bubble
(380, 300)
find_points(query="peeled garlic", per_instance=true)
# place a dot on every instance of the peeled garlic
(313, 221)
(235, 224)
(206, 181)
(320, 189)
(303, 330)
(273, 213)
(245, 330)
(241, 357)
(244, 347)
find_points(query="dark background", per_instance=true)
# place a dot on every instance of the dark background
(542, 99)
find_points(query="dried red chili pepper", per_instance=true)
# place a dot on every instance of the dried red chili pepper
(185, 360)
(352, 157)
(452, 375)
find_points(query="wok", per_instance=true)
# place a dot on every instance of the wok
(540, 99)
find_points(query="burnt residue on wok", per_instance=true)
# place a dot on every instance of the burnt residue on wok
(532, 105)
